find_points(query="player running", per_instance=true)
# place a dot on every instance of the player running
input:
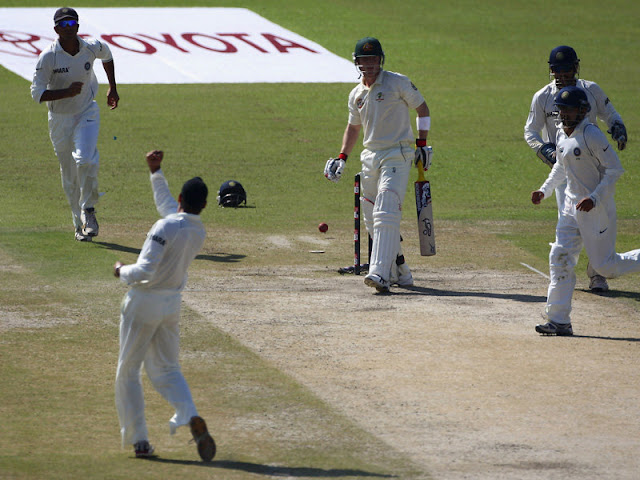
(64, 78)
(590, 168)
(543, 123)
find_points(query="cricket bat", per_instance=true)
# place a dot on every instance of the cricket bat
(425, 214)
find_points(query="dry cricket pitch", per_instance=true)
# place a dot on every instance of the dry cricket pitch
(450, 372)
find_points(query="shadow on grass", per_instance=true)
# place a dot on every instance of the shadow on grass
(218, 257)
(434, 292)
(272, 470)
(615, 294)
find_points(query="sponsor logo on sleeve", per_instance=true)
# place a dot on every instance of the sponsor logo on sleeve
(158, 239)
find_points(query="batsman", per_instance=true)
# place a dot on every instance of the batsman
(380, 105)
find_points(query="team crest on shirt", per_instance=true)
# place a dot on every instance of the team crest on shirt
(380, 97)
(360, 103)
(87, 66)
(576, 152)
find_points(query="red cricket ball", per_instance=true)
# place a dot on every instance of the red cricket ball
(323, 227)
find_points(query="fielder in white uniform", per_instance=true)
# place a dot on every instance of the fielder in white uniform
(380, 105)
(543, 123)
(65, 80)
(150, 316)
(589, 166)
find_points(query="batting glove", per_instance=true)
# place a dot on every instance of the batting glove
(619, 134)
(547, 153)
(334, 167)
(423, 153)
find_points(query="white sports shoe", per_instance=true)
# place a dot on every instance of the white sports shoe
(81, 237)
(89, 222)
(598, 283)
(376, 281)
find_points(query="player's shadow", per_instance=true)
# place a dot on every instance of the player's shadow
(274, 470)
(216, 257)
(615, 339)
(615, 294)
(434, 292)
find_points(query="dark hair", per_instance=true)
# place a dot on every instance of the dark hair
(194, 195)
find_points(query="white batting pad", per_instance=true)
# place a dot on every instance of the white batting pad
(386, 233)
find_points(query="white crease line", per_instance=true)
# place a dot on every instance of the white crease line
(535, 270)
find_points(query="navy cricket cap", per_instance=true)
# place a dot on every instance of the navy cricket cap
(194, 193)
(572, 97)
(64, 13)
(563, 58)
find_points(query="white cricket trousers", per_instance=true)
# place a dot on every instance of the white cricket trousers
(596, 231)
(75, 139)
(150, 335)
(385, 174)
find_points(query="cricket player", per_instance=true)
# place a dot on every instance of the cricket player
(150, 315)
(590, 167)
(542, 124)
(65, 80)
(379, 105)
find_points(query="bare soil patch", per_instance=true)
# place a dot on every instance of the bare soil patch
(449, 372)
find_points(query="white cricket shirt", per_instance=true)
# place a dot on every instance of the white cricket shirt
(542, 123)
(171, 245)
(383, 110)
(56, 69)
(587, 161)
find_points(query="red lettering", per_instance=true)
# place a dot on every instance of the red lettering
(283, 45)
(167, 39)
(148, 48)
(240, 36)
(229, 48)
(21, 41)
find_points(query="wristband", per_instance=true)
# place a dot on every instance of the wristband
(423, 123)
(421, 142)
(343, 156)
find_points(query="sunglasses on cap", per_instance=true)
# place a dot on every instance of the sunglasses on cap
(67, 23)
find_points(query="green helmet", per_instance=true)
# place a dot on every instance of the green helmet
(368, 47)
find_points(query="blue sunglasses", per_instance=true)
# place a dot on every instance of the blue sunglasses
(67, 23)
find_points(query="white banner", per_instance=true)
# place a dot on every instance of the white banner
(178, 45)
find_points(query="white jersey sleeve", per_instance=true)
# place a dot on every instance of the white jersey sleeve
(42, 74)
(609, 164)
(540, 127)
(165, 203)
(556, 177)
(100, 49)
(601, 106)
(149, 259)
(354, 111)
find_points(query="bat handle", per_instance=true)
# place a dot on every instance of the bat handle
(420, 171)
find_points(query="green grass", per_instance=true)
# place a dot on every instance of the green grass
(478, 66)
